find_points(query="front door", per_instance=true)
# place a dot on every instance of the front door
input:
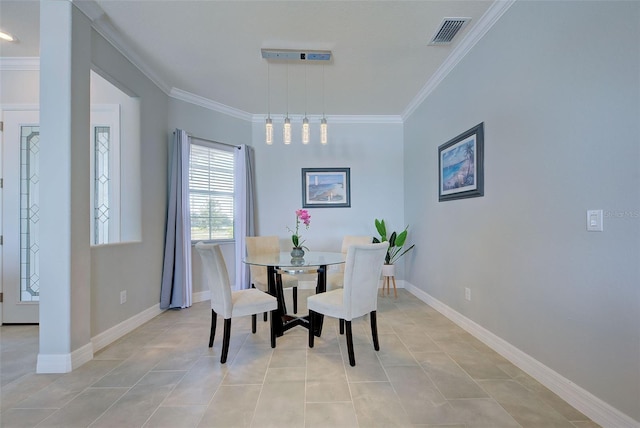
(19, 217)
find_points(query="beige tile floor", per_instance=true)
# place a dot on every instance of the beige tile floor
(428, 373)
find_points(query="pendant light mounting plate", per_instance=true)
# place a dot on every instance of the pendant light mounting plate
(295, 55)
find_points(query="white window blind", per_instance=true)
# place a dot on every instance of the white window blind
(211, 187)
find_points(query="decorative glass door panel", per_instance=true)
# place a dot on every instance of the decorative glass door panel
(101, 184)
(29, 213)
(21, 216)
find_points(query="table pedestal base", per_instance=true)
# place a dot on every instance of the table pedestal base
(283, 321)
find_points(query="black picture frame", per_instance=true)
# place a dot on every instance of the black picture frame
(461, 166)
(326, 187)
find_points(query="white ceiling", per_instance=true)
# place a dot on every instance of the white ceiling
(211, 49)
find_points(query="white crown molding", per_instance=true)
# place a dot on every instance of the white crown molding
(106, 30)
(368, 119)
(587, 403)
(90, 8)
(103, 26)
(490, 17)
(188, 97)
(26, 63)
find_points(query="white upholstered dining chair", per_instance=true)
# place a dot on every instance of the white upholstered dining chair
(335, 279)
(359, 295)
(259, 245)
(227, 303)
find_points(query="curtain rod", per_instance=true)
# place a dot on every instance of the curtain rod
(212, 141)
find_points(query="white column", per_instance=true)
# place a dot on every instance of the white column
(65, 259)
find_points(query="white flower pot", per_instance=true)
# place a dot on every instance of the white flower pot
(388, 270)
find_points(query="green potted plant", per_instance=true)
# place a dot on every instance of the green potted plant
(396, 242)
(394, 252)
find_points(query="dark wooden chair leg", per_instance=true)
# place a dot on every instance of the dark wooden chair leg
(295, 300)
(374, 330)
(265, 314)
(273, 330)
(341, 326)
(311, 327)
(352, 358)
(253, 323)
(225, 340)
(214, 317)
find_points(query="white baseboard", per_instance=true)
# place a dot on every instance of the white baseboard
(64, 363)
(590, 405)
(53, 363)
(116, 332)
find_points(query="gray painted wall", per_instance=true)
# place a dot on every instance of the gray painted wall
(557, 85)
(116, 267)
(136, 266)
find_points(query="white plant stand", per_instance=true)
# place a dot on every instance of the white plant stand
(389, 275)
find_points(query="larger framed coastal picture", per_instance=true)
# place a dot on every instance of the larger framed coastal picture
(461, 165)
(326, 187)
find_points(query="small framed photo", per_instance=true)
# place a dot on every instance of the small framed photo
(326, 188)
(461, 165)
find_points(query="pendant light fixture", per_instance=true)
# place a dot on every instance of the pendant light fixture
(286, 130)
(323, 121)
(289, 55)
(305, 120)
(269, 131)
(269, 123)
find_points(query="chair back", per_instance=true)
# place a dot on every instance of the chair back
(217, 277)
(362, 277)
(350, 240)
(257, 246)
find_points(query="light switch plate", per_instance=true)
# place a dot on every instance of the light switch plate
(594, 221)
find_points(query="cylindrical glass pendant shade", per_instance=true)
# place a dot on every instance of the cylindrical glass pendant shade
(269, 131)
(323, 131)
(305, 130)
(286, 130)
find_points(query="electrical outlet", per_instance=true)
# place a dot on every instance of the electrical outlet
(467, 293)
(123, 297)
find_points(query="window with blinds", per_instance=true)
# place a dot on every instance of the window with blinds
(211, 198)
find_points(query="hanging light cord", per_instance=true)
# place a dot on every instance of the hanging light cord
(305, 90)
(323, 106)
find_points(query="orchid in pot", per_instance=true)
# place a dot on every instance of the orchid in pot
(302, 216)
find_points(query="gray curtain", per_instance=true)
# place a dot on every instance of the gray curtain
(245, 203)
(176, 289)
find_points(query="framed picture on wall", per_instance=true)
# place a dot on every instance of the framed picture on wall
(461, 165)
(326, 187)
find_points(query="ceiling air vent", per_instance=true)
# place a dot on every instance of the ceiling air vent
(448, 30)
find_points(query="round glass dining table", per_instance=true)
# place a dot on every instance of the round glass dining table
(277, 264)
